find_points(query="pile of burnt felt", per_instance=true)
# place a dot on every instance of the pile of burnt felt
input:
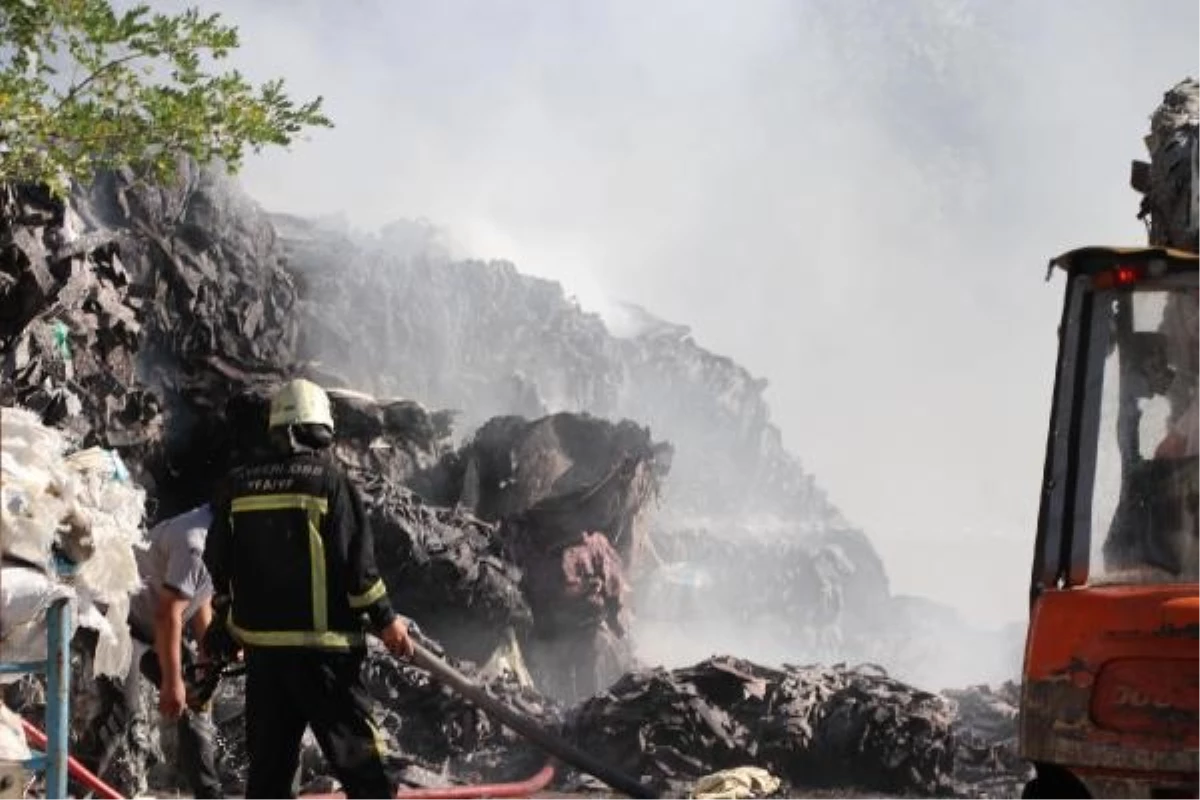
(447, 570)
(987, 757)
(70, 325)
(817, 728)
(131, 313)
(810, 726)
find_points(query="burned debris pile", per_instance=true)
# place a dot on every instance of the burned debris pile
(988, 762)
(152, 321)
(818, 586)
(813, 727)
(729, 471)
(555, 357)
(70, 326)
(447, 570)
(570, 493)
(819, 596)
(135, 302)
(810, 726)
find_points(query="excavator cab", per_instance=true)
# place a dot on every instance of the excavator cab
(1110, 704)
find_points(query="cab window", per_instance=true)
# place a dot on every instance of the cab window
(1144, 497)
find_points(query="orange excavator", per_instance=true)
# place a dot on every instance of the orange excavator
(1110, 704)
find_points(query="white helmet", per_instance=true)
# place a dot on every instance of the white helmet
(300, 402)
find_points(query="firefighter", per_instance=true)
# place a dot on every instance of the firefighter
(291, 554)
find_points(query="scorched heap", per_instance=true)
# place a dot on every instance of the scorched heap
(151, 320)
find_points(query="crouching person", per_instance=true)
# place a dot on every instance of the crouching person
(292, 552)
(176, 592)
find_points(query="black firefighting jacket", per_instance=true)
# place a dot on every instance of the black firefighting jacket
(291, 546)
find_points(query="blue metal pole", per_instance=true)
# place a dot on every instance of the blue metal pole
(58, 694)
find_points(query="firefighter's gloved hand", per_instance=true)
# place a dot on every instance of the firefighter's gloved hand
(395, 637)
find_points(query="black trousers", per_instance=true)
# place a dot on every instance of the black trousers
(195, 731)
(196, 735)
(288, 689)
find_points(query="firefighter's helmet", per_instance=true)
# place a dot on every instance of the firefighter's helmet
(300, 402)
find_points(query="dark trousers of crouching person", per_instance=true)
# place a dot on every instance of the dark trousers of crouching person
(110, 727)
(196, 736)
(288, 689)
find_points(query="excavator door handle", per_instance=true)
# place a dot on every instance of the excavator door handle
(1182, 612)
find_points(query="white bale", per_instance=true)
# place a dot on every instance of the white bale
(25, 594)
(17, 424)
(41, 490)
(25, 642)
(13, 746)
(34, 486)
(115, 507)
(114, 649)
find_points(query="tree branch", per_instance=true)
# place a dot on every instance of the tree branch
(79, 87)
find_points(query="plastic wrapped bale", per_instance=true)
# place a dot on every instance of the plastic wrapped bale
(114, 506)
(35, 488)
(13, 746)
(25, 596)
(85, 507)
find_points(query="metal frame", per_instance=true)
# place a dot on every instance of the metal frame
(1053, 536)
(1063, 549)
(1077, 547)
(57, 667)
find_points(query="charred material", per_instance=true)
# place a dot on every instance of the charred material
(136, 304)
(811, 726)
(985, 728)
(556, 357)
(448, 570)
(1169, 180)
(153, 320)
(818, 596)
(817, 584)
(70, 326)
(570, 493)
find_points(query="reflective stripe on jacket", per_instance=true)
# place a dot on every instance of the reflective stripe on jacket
(291, 545)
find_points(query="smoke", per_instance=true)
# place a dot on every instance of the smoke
(853, 198)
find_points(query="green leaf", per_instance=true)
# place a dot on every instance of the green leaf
(130, 89)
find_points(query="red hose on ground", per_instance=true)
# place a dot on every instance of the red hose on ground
(531, 785)
(76, 770)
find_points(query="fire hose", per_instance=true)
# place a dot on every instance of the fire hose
(523, 725)
(526, 726)
(75, 769)
(474, 791)
(531, 785)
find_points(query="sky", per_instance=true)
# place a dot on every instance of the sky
(855, 199)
